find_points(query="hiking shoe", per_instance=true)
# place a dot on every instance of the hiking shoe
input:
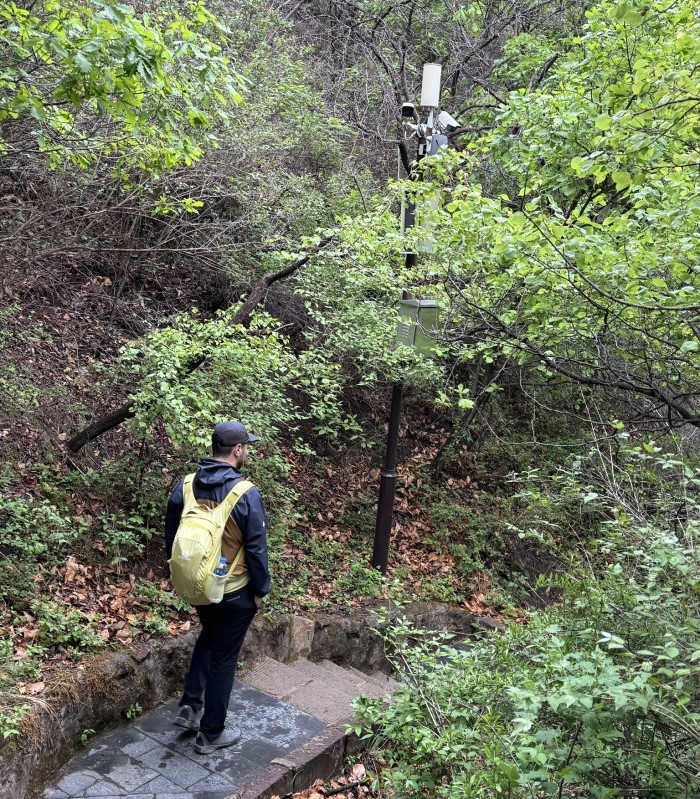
(189, 718)
(205, 746)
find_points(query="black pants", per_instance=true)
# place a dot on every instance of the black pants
(210, 679)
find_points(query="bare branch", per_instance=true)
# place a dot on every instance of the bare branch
(256, 296)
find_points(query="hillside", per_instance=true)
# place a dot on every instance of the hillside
(199, 217)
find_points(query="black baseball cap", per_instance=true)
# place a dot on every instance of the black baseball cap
(229, 434)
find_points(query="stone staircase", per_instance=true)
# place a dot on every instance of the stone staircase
(323, 690)
(292, 716)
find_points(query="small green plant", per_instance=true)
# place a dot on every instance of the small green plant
(85, 736)
(123, 535)
(154, 624)
(20, 396)
(13, 670)
(58, 625)
(133, 711)
(33, 534)
(160, 599)
(11, 719)
(395, 590)
(359, 581)
(31, 529)
(440, 589)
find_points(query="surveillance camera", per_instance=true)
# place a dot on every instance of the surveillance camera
(408, 110)
(446, 122)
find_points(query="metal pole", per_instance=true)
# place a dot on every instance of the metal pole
(387, 486)
(387, 483)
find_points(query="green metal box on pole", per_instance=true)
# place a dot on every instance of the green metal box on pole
(418, 325)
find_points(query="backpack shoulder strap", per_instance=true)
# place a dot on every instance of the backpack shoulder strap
(187, 493)
(241, 487)
(235, 494)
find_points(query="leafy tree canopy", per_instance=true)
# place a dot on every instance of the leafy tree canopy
(564, 239)
(96, 80)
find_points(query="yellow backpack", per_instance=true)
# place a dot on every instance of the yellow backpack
(197, 545)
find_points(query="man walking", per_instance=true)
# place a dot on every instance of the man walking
(209, 682)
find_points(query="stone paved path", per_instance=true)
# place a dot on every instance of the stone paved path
(154, 759)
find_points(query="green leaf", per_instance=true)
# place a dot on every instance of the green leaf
(622, 180)
(83, 62)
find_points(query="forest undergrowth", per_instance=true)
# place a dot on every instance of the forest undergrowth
(199, 220)
(79, 579)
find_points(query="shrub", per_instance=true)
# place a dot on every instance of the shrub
(123, 534)
(35, 529)
(11, 719)
(598, 696)
(360, 580)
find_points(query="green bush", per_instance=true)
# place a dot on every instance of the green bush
(257, 360)
(35, 529)
(123, 534)
(598, 696)
(11, 718)
(440, 589)
(161, 601)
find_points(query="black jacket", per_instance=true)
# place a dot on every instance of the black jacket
(214, 481)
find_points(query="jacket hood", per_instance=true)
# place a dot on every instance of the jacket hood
(213, 473)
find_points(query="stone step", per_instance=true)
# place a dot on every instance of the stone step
(323, 691)
(384, 681)
(304, 666)
(292, 718)
(364, 683)
(334, 668)
(306, 687)
(381, 682)
(318, 671)
(274, 678)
